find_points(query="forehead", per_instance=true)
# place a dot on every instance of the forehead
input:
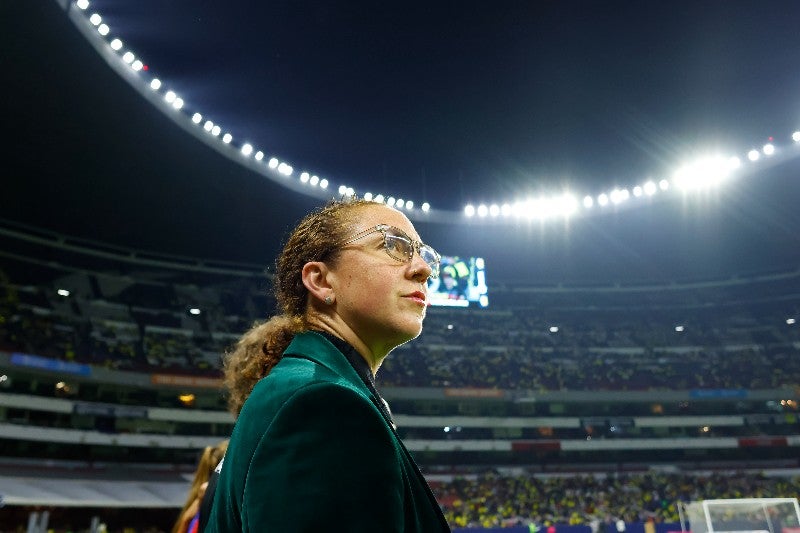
(382, 214)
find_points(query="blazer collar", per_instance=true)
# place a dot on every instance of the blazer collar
(315, 347)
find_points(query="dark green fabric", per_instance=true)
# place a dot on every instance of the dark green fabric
(311, 451)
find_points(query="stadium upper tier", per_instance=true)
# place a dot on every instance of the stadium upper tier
(129, 310)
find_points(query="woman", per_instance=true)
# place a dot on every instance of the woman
(313, 448)
(189, 517)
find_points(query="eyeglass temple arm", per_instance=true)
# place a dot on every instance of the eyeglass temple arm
(379, 227)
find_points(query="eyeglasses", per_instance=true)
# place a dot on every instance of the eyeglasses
(401, 247)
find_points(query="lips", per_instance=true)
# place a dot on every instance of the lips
(417, 296)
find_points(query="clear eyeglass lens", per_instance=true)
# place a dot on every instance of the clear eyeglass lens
(399, 246)
(430, 256)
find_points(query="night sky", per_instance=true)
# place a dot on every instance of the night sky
(449, 103)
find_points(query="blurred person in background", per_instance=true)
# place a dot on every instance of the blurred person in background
(314, 448)
(189, 517)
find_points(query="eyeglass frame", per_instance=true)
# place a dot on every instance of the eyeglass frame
(416, 246)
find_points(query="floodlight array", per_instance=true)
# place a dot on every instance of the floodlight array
(245, 149)
(701, 174)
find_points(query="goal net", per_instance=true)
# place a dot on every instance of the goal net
(745, 515)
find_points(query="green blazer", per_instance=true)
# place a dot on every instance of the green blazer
(312, 452)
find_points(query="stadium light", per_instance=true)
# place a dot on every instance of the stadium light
(753, 155)
(679, 329)
(650, 188)
(247, 149)
(469, 210)
(116, 45)
(194, 311)
(63, 292)
(553, 329)
(768, 149)
(426, 207)
(155, 84)
(790, 321)
(314, 180)
(796, 136)
(82, 4)
(227, 138)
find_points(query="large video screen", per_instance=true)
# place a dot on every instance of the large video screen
(461, 283)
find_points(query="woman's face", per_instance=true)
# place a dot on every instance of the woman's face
(380, 299)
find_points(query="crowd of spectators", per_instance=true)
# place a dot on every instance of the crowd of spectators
(495, 500)
(562, 347)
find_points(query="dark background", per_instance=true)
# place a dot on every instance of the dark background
(449, 103)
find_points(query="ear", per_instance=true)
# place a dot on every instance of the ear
(315, 278)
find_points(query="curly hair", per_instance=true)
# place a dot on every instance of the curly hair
(261, 347)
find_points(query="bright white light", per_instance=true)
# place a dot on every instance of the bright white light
(116, 44)
(350, 191)
(194, 311)
(588, 202)
(619, 195)
(137, 65)
(285, 169)
(103, 29)
(483, 210)
(178, 103)
(304, 177)
(247, 149)
(602, 199)
(128, 57)
(409, 205)
(734, 163)
(170, 97)
(227, 138)
(637, 191)
(208, 126)
(649, 188)
(553, 329)
(566, 205)
(796, 136)
(768, 149)
(505, 209)
(273, 163)
(216, 130)
(259, 155)
(82, 4)
(469, 210)
(679, 329)
(400, 203)
(196, 118)
(494, 210)
(323, 183)
(379, 199)
(63, 292)
(95, 19)
(790, 321)
(155, 84)
(368, 196)
(702, 173)
(342, 189)
(753, 155)
(426, 207)
(663, 185)
(314, 180)
(390, 201)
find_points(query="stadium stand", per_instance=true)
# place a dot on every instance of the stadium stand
(644, 395)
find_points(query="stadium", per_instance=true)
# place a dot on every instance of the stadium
(593, 363)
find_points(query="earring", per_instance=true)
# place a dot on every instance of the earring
(328, 300)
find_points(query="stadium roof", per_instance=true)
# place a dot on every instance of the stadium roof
(451, 104)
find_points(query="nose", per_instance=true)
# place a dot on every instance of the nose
(419, 269)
